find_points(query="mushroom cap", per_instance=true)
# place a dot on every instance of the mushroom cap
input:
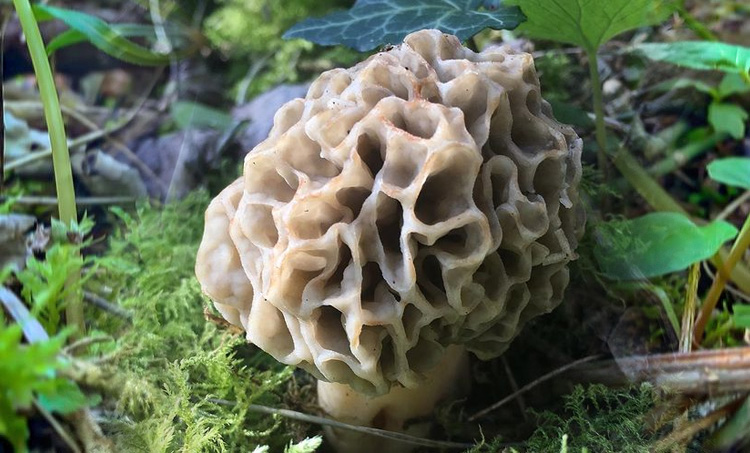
(424, 197)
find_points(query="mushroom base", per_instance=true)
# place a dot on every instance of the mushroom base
(392, 411)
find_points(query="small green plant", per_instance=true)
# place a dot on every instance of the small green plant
(700, 55)
(732, 172)
(589, 25)
(724, 117)
(656, 244)
(29, 376)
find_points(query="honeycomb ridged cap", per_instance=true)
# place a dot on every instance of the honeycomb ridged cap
(422, 198)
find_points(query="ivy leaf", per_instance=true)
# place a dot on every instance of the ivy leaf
(102, 35)
(732, 171)
(656, 244)
(700, 55)
(372, 23)
(588, 23)
(729, 118)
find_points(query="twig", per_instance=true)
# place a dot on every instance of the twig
(24, 108)
(107, 306)
(691, 429)
(299, 416)
(221, 322)
(85, 341)
(705, 372)
(514, 387)
(64, 435)
(533, 384)
(81, 201)
(732, 290)
(731, 207)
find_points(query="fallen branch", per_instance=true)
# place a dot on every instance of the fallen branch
(706, 372)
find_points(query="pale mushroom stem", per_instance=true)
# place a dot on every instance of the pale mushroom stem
(393, 411)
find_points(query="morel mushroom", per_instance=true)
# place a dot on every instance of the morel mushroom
(424, 198)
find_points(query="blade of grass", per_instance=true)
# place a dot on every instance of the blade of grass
(724, 271)
(56, 128)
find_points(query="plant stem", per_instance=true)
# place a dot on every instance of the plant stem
(56, 127)
(598, 101)
(724, 271)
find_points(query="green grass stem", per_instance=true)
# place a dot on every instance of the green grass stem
(724, 271)
(58, 140)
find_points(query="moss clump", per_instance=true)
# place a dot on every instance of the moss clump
(596, 418)
(251, 30)
(175, 370)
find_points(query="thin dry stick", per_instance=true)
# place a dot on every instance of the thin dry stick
(299, 416)
(25, 108)
(689, 430)
(731, 207)
(80, 201)
(688, 314)
(514, 387)
(730, 289)
(533, 384)
(64, 435)
(107, 306)
(84, 342)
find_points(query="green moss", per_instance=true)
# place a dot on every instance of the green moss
(249, 31)
(176, 369)
(596, 418)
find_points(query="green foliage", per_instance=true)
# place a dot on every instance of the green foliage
(250, 30)
(588, 23)
(46, 282)
(192, 114)
(741, 316)
(656, 244)
(178, 368)
(28, 373)
(732, 171)
(596, 419)
(372, 23)
(700, 55)
(722, 116)
(100, 34)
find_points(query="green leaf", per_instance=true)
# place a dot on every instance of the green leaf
(588, 23)
(192, 114)
(741, 316)
(570, 114)
(63, 396)
(372, 23)
(102, 35)
(733, 83)
(732, 171)
(729, 118)
(70, 37)
(683, 82)
(700, 55)
(656, 244)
